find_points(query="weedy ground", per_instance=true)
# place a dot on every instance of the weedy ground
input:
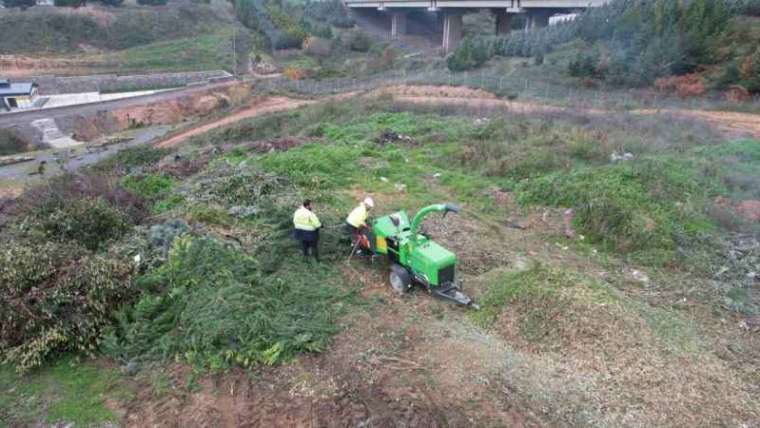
(628, 320)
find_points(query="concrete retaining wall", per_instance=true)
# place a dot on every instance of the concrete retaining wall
(52, 85)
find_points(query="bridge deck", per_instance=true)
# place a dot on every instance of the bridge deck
(512, 5)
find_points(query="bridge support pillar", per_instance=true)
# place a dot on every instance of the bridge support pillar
(398, 24)
(502, 21)
(452, 30)
(537, 18)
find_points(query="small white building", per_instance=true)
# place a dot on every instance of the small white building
(560, 18)
(17, 95)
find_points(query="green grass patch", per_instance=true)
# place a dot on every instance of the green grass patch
(737, 165)
(199, 52)
(642, 208)
(168, 203)
(66, 391)
(149, 186)
(675, 331)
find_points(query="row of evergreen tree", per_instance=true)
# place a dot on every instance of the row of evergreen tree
(25, 4)
(629, 42)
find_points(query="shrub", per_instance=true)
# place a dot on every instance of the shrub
(52, 300)
(749, 72)
(293, 34)
(281, 30)
(61, 191)
(89, 222)
(317, 29)
(70, 3)
(23, 4)
(212, 308)
(332, 12)
(359, 41)
(749, 7)
(317, 46)
(584, 65)
(472, 53)
(11, 143)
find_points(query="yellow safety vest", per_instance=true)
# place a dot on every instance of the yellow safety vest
(358, 216)
(304, 219)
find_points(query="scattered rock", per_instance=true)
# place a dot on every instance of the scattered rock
(625, 157)
(638, 276)
(751, 324)
(501, 197)
(749, 210)
(521, 264)
(391, 137)
(243, 211)
(568, 217)
(278, 144)
(131, 368)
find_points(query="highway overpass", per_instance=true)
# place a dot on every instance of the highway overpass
(537, 13)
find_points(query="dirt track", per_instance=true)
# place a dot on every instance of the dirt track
(733, 124)
(257, 108)
(730, 123)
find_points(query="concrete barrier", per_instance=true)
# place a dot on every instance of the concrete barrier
(104, 83)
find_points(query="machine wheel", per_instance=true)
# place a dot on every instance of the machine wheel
(401, 281)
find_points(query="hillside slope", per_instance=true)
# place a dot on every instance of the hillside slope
(95, 38)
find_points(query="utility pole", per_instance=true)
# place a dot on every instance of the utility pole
(234, 51)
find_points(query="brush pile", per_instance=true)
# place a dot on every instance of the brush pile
(211, 306)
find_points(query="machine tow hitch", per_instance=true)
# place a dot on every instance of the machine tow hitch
(454, 294)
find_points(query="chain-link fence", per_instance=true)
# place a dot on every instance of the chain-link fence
(511, 88)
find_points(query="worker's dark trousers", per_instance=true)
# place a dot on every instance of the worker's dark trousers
(309, 239)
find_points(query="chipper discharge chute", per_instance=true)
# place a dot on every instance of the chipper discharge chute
(415, 258)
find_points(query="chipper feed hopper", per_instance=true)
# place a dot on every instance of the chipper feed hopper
(415, 258)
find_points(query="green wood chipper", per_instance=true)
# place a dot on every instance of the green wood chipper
(414, 257)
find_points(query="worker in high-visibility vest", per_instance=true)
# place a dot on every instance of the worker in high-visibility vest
(307, 229)
(356, 222)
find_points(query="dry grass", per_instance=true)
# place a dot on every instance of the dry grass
(593, 356)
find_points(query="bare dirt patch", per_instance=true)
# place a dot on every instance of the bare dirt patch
(171, 111)
(19, 66)
(732, 124)
(441, 91)
(609, 357)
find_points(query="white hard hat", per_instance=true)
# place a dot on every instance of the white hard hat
(369, 202)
